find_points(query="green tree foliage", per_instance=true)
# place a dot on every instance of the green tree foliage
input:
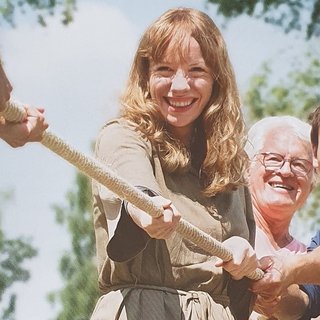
(296, 93)
(42, 8)
(78, 270)
(289, 14)
(13, 253)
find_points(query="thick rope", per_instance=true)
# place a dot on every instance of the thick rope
(98, 171)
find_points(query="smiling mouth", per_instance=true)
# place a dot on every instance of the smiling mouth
(180, 104)
(277, 185)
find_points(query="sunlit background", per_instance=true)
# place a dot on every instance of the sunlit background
(77, 73)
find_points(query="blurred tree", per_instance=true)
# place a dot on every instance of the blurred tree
(290, 15)
(13, 253)
(77, 268)
(41, 8)
(296, 93)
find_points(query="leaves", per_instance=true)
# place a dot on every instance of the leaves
(78, 271)
(40, 8)
(297, 93)
(290, 15)
(13, 254)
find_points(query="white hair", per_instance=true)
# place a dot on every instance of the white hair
(259, 131)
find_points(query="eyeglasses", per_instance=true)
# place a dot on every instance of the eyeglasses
(274, 161)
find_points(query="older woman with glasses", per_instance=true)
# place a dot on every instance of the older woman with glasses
(280, 180)
(284, 273)
(280, 177)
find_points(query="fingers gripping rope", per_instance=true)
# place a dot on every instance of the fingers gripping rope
(98, 171)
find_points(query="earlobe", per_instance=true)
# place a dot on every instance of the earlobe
(315, 163)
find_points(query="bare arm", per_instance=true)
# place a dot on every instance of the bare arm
(278, 291)
(281, 272)
(305, 269)
(17, 134)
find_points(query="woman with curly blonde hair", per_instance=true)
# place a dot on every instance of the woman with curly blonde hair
(220, 127)
(180, 138)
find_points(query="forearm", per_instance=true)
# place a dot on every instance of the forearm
(306, 268)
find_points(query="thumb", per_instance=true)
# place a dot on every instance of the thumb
(265, 263)
(219, 262)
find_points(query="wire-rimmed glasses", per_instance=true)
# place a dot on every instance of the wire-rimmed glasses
(274, 161)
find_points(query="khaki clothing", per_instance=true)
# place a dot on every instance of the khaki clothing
(156, 303)
(164, 279)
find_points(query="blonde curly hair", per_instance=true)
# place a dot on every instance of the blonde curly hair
(218, 148)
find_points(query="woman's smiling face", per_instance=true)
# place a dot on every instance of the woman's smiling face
(181, 87)
(279, 193)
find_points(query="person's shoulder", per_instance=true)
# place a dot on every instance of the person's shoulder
(119, 132)
(315, 241)
(117, 124)
(117, 128)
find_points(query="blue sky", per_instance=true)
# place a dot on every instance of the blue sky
(77, 74)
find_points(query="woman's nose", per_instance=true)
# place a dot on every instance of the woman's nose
(179, 82)
(285, 170)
